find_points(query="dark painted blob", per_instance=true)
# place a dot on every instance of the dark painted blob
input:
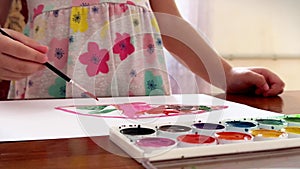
(137, 131)
(209, 126)
(241, 124)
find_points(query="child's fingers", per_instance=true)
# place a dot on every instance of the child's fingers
(259, 91)
(257, 80)
(9, 75)
(27, 41)
(274, 90)
(274, 85)
(19, 50)
(18, 66)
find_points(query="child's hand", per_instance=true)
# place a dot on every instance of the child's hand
(259, 81)
(20, 57)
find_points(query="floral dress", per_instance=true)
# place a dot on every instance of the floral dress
(109, 47)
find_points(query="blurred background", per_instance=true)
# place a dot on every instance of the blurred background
(247, 33)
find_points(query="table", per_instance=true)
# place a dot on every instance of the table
(83, 152)
(286, 103)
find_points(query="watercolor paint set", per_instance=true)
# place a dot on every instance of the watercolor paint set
(170, 139)
(174, 141)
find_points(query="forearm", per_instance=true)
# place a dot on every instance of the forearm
(200, 60)
(193, 51)
(4, 9)
(185, 43)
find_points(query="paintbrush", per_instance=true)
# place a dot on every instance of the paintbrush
(58, 72)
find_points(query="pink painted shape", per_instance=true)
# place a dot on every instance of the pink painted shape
(133, 110)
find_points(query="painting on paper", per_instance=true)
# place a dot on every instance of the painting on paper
(138, 110)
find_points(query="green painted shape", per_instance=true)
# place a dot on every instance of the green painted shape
(292, 119)
(270, 121)
(96, 109)
(102, 111)
(91, 107)
(206, 108)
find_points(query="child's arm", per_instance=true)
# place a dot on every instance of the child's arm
(181, 39)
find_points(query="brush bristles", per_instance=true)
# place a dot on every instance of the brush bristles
(91, 95)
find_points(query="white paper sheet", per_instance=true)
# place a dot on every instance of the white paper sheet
(38, 119)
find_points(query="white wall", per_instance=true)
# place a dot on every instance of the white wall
(248, 28)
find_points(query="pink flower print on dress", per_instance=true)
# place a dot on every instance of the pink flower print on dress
(149, 48)
(118, 9)
(58, 52)
(124, 7)
(130, 3)
(123, 46)
(95, 59)
(38, 10)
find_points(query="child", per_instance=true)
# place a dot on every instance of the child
(114, 48)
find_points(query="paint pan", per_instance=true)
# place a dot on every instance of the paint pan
(229, 137)
(157, 144)
(173, 131)
(266, 134)
(190, 140)
(208, 129)
(138, 132)
(292, 131)
(240, 126)
(292, 121)
(271, 124)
